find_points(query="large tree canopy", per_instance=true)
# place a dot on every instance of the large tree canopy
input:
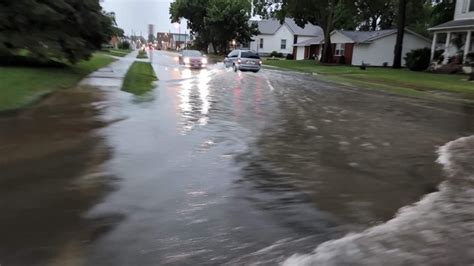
(350, 14)
(70, 29)
(216, 21)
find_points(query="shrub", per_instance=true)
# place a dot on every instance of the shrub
(469, 59)
(418, 60)
(124, 45)
(289, 57)
(438, 56)
(276, 54)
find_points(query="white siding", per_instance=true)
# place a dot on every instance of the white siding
(272, 42)
(300, 53)
(458, 14)
(382, 50)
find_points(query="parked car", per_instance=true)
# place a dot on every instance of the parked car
(243, 60)
(193, 59)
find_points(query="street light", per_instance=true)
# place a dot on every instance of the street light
(233, 43)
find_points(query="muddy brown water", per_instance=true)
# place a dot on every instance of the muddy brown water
(212, 167)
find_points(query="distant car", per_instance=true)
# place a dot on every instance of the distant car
(244, 60)
(193, 59)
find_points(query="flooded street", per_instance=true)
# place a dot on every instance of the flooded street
(212, 167)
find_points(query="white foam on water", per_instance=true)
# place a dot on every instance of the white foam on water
(437, 230)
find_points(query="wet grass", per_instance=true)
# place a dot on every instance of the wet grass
(401, 81)
(21, 86)
(139, 79)
(142, 54)
(117, 52)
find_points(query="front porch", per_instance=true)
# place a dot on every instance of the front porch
(452, 42)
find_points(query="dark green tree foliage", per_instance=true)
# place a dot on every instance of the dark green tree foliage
(443, 11)
(54, 29)
(419, 59)
(216, 21)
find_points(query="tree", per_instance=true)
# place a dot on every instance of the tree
(443, 11)
(151, 38)
(53, 28)
(216, 21)
(194, 11)
(375, 14)
(402, 6)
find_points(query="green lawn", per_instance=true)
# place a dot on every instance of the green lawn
(142, 54)
(139, 78)
(117, 52)
(21, 86)
(394, 80)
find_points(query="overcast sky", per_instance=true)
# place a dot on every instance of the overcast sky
(137, 14)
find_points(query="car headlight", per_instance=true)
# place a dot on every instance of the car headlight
(186, 60)
(204, 61)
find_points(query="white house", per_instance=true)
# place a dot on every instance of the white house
(281, 38)
(375, 48)
(455, 37)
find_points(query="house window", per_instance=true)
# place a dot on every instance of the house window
(340, 49)
(471, 6)
(283, 44)
(261, 43)
(464, 6)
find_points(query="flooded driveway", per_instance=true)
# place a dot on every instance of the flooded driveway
(212, 167)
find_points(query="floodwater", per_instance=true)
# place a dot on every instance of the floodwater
(215, 167)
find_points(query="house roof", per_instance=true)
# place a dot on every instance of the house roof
(270, 27)
(312, 41)
(370, 36)
(366, 36)
(454, 24)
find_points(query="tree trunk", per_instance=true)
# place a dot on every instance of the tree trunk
(374, 23)
(397, 61)
(327, 49)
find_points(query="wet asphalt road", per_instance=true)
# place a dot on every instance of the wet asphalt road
(212, 167)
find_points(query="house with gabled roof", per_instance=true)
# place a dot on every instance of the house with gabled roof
(282, 37)
(374, 48)
(455, 37)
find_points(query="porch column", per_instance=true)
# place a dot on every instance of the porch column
(446, 48)
(467, 46)
(433, 46)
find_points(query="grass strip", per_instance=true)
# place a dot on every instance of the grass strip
(139, 79)
(142, 54)
(21, 86)
(395, 80)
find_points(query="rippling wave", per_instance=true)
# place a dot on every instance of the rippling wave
(438, 230)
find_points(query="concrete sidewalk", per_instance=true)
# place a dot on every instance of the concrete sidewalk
(111, 77)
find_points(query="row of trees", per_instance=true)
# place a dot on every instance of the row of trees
(54, 29)
(361, 15)
(216, 21)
